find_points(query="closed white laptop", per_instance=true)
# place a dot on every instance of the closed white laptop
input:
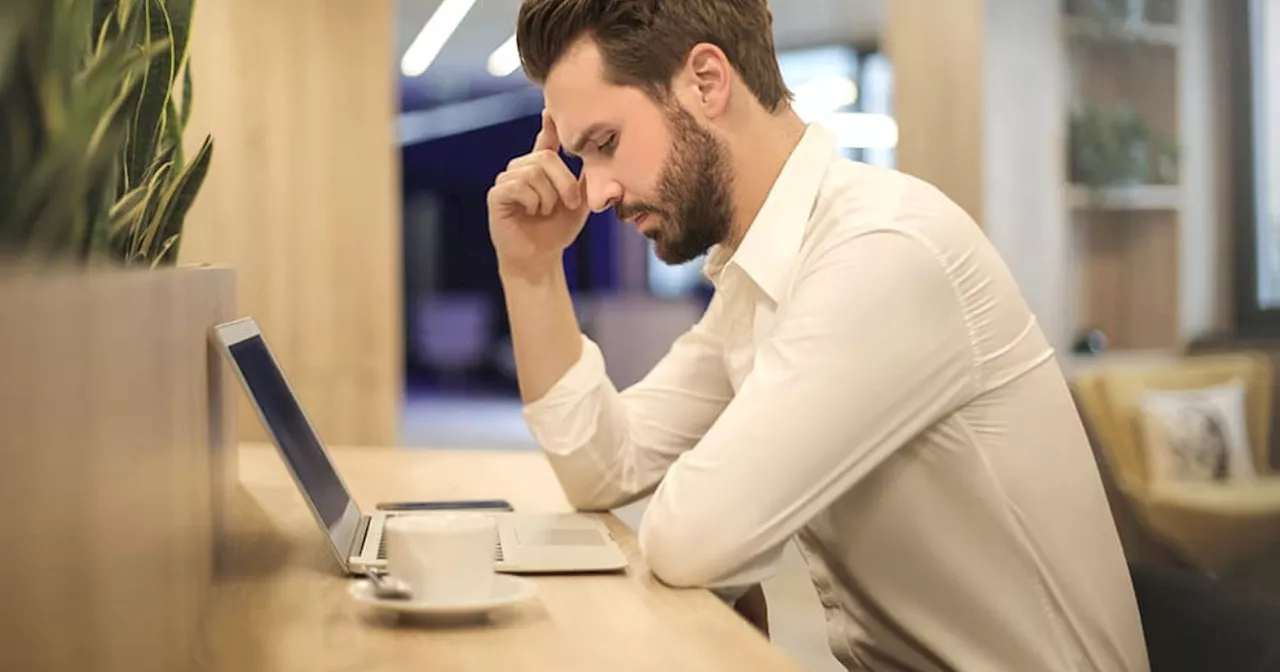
(527, 543)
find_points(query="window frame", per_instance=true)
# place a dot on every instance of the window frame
(1244, 47)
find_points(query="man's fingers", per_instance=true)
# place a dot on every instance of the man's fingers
(548, 138)
(565, 184)
(537, 178)
(515, 194)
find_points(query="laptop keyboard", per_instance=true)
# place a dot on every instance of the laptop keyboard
(382, 549)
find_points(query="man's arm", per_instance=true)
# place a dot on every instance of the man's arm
(872, 349)
(544, 329)
(609, 448)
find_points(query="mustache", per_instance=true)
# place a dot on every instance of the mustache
(628, 211)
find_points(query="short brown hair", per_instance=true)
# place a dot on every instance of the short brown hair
(645, 42)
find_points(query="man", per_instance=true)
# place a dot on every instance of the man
(867, 379)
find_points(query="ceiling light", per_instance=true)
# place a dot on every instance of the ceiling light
(505, 59)
(427, 45)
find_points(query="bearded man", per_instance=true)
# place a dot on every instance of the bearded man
(867, 381)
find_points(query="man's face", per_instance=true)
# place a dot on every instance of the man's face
(654, 163)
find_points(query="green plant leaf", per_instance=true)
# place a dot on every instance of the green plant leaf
(22, 141)
(98, 206)
(127, 211)
(172, 140)
(144, 233)
(156, 89)
(15, 19)
(182, 195)
(188, 92)
(179, 13)
(167, 156)
(104, 19)
(164, 251)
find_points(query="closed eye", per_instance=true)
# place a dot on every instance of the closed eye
(608, 147)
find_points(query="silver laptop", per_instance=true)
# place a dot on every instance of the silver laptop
(527, 543)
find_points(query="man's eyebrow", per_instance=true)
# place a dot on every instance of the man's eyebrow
(580, 144)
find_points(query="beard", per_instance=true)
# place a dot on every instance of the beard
(696, 210)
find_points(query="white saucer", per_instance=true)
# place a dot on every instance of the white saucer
(507, 590)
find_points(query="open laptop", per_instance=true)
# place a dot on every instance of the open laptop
(527, 543)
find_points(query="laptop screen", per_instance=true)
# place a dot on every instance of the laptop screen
(293, 434)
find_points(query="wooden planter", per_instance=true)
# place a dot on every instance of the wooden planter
(116, 429)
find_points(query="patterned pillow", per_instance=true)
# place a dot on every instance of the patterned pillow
(1198, 435)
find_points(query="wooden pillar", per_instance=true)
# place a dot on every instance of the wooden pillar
(937, 50)
(303, 196)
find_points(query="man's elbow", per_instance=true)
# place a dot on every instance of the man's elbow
(591, 502)
(679, 557)
(596, 498)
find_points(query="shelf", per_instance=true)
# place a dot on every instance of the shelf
(1141, 197)
(1142, 33)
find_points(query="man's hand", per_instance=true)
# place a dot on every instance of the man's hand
(753, 607)
(536, 207)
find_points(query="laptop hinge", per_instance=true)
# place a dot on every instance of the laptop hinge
(357, 541)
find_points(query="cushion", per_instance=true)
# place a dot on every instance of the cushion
(1197, 435)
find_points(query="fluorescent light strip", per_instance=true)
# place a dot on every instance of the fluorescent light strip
(439, 28)
(505, 59)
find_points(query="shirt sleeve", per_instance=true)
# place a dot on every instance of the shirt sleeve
(871, 349)
(609, 448)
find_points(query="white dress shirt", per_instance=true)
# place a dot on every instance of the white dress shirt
(869, 382)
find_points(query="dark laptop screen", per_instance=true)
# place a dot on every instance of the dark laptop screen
(293, 434)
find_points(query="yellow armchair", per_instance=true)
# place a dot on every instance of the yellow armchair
(1211, 526)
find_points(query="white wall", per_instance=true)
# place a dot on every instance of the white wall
(1024, 157)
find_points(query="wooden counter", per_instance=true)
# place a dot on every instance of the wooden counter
(279, 603)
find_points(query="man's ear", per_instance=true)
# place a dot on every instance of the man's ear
(712, 77)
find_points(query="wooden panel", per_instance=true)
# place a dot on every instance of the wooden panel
(115, 441)
(303, 196)
(1129, 274)
(938, 55)
(283, 605)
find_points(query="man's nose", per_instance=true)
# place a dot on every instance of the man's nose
(603, 192)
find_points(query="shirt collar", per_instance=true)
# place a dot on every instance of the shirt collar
(767, 251)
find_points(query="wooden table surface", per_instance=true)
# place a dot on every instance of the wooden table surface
(280, 604)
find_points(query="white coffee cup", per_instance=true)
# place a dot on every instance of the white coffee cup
(443, 557)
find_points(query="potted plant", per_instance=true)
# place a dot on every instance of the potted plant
(1113, 147)
(95, 95)
(113, 413)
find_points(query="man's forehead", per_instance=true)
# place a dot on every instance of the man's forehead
(579, 97)
(576, 90)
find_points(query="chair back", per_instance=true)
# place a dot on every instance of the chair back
(1110, 399)
(1194, 624)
